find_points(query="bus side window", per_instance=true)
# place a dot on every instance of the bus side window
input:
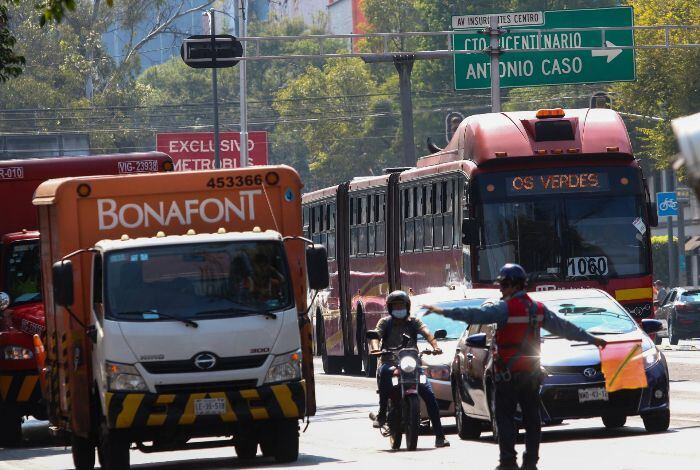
(353, 228)
(306, 231)
(331, 231)
(409, 222)
(97, 288)
(381, 234)
(428, 198)
(437, 218)
(418, 221)
(362, 225)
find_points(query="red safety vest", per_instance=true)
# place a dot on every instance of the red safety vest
(518, 342)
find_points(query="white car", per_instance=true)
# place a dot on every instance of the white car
(438, 367)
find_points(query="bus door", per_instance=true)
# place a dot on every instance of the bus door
(343, 259)
(393, 232)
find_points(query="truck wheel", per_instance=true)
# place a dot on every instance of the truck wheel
(246, 447)
(10, 428)
(113, 450)
(287, 441)
(267, 443)
(83, 451)
(657, 421)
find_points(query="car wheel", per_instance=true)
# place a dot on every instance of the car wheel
(614, 421)
(672, 336)
(467, 428)
(658, 421)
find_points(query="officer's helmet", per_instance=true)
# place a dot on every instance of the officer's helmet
(398, 296)
(512, 273)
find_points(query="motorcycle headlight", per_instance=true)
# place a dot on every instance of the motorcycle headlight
(124, 378)
(439, 372)
(650, 353)
(285, 368)
(17, 353)
(408, 364)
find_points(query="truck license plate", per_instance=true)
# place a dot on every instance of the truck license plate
(209, 406)
(592, 394)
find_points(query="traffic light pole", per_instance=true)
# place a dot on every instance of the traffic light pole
(494, 52)
(215, 90)
(242, 26)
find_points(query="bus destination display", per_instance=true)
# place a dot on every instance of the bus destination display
(557, 183)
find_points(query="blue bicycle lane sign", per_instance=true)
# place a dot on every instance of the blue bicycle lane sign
(666, 204)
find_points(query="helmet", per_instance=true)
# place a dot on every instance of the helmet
(398, 296)
(513, 273)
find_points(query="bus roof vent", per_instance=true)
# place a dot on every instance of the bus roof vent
(221, 231)
(397, 169)
(191, 232)
(124, 237)
(160, 234)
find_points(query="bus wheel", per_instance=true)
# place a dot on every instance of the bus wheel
(353, 365)
(331, 364)
(113, 451)
(287, 441)
(83, 451)
(369, 362)
(10, 428)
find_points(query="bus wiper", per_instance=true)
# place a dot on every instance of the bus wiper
(239, 309)
(144, 314)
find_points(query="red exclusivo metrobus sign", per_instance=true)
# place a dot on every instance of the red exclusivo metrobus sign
(195, 150)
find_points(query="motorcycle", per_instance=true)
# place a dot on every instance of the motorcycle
(403, 408)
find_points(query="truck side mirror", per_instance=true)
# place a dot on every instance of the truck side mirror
(63, 283)
(470, 232)
(4, 301)
(317, 267)
(651, 326)
(653, 215)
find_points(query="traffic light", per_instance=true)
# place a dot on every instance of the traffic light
(452, 122)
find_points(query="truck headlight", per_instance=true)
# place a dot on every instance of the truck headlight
(650, 353)
(439, 372)
(285, 368)
(124, 378)
(408, 364)
(17, 353)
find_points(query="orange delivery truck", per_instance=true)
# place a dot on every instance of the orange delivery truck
(176, 308)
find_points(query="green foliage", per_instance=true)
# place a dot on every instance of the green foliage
(659, 254)
(10, 63)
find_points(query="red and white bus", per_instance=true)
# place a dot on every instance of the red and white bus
(558, 191)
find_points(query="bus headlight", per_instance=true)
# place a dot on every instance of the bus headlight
(408, 364)
(124, 378)
(285, 368)
(17, 353)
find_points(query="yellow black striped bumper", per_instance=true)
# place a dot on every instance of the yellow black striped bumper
(134, 410)
(19, 388)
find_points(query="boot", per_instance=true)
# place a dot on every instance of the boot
(441, 442)
(380, 420)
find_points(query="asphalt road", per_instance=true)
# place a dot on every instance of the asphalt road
(341, 434)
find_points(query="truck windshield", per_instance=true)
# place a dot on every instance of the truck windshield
(196, 281)
(565, 237)
(23, 272)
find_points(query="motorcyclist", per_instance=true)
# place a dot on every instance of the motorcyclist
(391, 330)
(516, 355)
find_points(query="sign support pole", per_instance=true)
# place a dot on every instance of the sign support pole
(669, 222)
(494, 51)
(243, 89)
(215, 91)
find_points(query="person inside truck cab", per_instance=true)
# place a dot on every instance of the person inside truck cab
(241, 280)
(267, 280)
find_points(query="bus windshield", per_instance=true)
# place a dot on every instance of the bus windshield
(196, 281)
(565, 237)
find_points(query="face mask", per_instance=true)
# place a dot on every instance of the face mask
(399, 313)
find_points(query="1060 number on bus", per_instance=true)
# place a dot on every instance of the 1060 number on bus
(587, 266)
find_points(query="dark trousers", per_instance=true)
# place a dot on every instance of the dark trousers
(523, 389)
(425, 391)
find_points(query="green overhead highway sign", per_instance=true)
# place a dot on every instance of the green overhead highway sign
(550, 66)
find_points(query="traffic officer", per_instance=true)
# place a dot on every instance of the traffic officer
(516, 358)
(391, 330)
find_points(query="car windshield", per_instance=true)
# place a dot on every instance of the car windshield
(454, 328)
(600, 234)
(197, 281)
(23, 272)
(597, 315)
(691, 296)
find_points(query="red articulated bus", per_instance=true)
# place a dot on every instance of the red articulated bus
(558, 191)
(20, 273)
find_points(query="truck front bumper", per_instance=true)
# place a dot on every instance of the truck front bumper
(19, 388)
(268, 402)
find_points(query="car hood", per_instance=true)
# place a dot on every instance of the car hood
(562, 352)
(449, 347)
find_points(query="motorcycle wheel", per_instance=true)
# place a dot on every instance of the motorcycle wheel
(394, 423)
(411, 421)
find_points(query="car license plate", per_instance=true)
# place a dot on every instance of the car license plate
(209, 406)
(592, 394)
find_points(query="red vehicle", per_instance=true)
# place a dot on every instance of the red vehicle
(558, 191)
(20, 274)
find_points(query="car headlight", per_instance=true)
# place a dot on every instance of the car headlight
(17, 353)
(650, 354)
(285, 368)
(439, 372)
(124, 378)
(408, 364)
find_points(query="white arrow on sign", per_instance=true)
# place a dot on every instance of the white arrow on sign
(610, 53)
